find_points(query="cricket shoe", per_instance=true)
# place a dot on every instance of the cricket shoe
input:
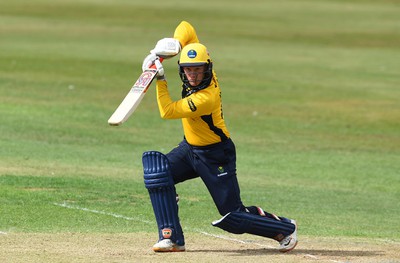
(166, 245)
(289, 242)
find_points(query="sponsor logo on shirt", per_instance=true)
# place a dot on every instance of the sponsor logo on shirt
(191, 105)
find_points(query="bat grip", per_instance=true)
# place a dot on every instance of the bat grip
(154, 65)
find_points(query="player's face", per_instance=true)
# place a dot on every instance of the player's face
(194, 74)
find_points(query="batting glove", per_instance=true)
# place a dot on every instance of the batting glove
(148, 61)
(160, 68)
(167, 48)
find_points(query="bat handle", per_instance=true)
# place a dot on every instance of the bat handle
(154, 65)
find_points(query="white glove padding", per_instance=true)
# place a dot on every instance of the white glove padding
(151, 60)
(167, 47)
(148, 61)
(160, 68)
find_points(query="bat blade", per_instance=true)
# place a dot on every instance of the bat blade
(133, 98)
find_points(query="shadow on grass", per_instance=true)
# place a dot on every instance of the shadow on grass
(303, 252)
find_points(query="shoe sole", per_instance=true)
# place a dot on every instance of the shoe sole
(284, 250)
(289, 249)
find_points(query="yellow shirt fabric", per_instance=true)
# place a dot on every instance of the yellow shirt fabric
(201, 112)
(186, 34)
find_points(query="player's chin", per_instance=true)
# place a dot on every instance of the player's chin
(194, 83)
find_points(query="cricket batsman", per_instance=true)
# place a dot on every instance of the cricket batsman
(206, 151)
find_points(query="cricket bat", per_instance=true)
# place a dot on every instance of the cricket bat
(134, 97)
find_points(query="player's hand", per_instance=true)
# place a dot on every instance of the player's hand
(167, 48)
(151, 60)
(148, 61)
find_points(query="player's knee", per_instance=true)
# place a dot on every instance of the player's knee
(156, 170)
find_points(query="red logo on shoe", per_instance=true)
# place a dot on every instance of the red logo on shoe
(166, 232)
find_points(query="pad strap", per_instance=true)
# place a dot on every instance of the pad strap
(161, 188)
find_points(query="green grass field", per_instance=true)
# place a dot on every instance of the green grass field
(311, 93)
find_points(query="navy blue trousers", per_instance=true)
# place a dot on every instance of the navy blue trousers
(215, 165)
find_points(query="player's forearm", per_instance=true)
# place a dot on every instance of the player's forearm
(165, 103)
(189, 107)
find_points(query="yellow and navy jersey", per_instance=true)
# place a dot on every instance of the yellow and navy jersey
(201, 113)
